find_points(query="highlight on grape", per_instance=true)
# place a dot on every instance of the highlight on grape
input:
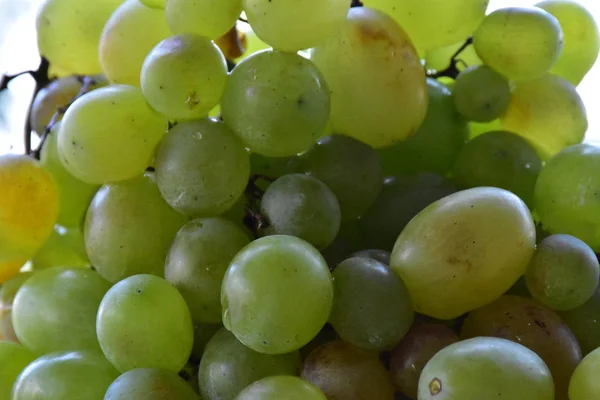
(303, 200)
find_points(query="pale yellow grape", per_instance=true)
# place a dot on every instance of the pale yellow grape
(209, 18)
(439, 59)
(129, 35)
(154, 3)
(109, 135)
(584, 384)
(548, 112)
(68, 33)
(377, 83)
(581, 39)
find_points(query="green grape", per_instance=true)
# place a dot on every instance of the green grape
(202, 168)
(68, 33)
(485, 368)
(500, 159)
(110, 118)
(197, 261)
(208, 18)
(374, 74)
(464, 250)
(277, 103)
(303, 206)
(253, 45)
(477, 128)
(585, 324)
(154, 3)
(341, 162)
(13, 359)
(547, 112)
(414, 351)
(261, 290)
(143, 322)
(75, 195)
(228, 366)
(284, 24)
(563, 273)
(434, 24)
(183, 77)
(272, 167)
(202, 335)
(566, 194)
(281, 387)
(129, 229)
(439, 59)
(581, 39)
(128, 36)
(8, 291)
(342, 371)
(55, 309)
(378, 255)
(401, 198)
(534, 326)
(59, 251)
(435, 145)
(521, 43)
(81, 375)
(481, 94)
(584, 384)
(150, 384)
(371, 306)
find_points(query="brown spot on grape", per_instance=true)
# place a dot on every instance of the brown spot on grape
(435, 387)
(460, 261)
(192, 100)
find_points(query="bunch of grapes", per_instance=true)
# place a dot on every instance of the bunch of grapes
(304, 200)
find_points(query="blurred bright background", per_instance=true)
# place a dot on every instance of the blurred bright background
(18, 52)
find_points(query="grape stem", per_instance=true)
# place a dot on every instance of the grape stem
(452, 70)
(356, 3)
(253, 219)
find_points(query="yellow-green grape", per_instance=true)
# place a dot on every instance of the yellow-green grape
(481, 94)
(485, 368)
(261, 290)
(154, 3)
(585, 324)
(377, 82)
(29, 207)
(183, 77)
(150, 384)
(478, 128)
(8, 291)
(521, 43)
(272, 167)
(253, 45)
(13, 359)
(109, 135)
(548, 112)
(281, 387)
(143, 322)
(464, 250)
(59, 251)
(68, 33)
(208, 18)
(277, 103)
(289, 25)
(439, 59)
(584, 383)
(129, 229)
(581, 39)
(74, 195)
(129, 35)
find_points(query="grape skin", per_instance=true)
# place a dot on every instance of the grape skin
(150, 384)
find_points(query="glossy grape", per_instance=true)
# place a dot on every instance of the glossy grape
(8, 291)
(481, 94)
(279, 387)
(150, 384)
(13, 360)
(208, 18)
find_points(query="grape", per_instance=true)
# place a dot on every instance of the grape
(28, 210)
(585, 324)
(13, 359)
(109, 135)
(374, 74)
(326, 335)
(154, 3)
(8, 291)
(197, 261)
(563, 273)
(584, 384)
(261, 290)
(483, 368)
(534, 326)
(481, 94)
(334, 161)
(277, 103)
(272, 167)
(547, 112)
(228, 366)
(150, 384)
(401, 199)
(342, 371)
(435, 145)
(55, 310)
(291, 26)
(209, 18)
(464, 250)
(302, 206)
(439, 59)
(414, 351)
(477, 128)
(128, 36)
(281, 387)
(68, 32)
(566, 194)
(519, 42)
(371, 306)
(202, 335)
(183, 77)
(581, 39)
(253, 45)
(500, 159)
(202, 168)
(59, 251)
(378, 255)
(143, 322)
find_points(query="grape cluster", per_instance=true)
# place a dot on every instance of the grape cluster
(304, 200)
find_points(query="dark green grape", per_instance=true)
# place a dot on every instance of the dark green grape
(202, 334)
(273, 167)
(584, 321)
(150, 384)
(379, 255)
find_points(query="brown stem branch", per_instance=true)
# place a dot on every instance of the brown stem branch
(254, 220)
(452, 70)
